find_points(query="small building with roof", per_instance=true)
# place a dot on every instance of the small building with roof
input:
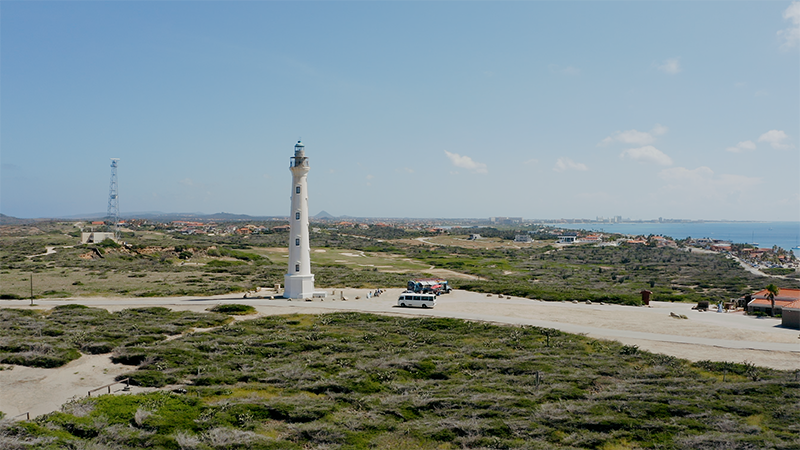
(567, 238)
(785, 297)
(790, 315)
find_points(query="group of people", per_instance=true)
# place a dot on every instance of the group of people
(376, 293)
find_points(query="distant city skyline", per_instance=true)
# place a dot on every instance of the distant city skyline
(537, 110)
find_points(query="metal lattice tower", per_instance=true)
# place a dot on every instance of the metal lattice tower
(113, 199)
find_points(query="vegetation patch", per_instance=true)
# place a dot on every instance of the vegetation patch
(233, 309)
(360, 381)
(52, 338)
(158, 263)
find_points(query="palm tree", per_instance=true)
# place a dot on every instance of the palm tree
(772, 291)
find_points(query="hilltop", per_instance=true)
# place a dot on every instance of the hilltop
(9, 220)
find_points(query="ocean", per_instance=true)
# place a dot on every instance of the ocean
(783, 234)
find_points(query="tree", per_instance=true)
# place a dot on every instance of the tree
(772, 291)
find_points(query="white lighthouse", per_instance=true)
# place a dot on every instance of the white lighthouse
(299, 281)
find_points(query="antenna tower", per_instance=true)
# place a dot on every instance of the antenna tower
(113, 199)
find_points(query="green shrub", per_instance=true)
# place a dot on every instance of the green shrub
(218, 263)
(152, 378)
(355, 380)
(233, 309)
(108, 243)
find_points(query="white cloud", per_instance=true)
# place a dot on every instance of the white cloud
(777, 139)
(742, 147)
(703, 184)
(635, 137)
(682, 174)
(670, 66)
(630, 137)
(186, 182)
(659, 129)
(465, 162)
(531, 161)
(563, 164)
(792, 201)
(791, 35)
(647, 154)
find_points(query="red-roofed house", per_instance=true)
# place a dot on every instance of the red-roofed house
(785, 297)
(790, 317)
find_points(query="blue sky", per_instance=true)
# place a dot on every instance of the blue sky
(407, 109)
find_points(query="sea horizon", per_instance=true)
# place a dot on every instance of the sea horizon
(784, 234)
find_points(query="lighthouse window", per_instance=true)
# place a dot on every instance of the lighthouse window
(297, 190)
(297, 267)
(297, 216)
(297, 242)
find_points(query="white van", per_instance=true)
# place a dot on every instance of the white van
(416, 299)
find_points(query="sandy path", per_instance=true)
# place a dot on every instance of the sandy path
(39, 391)
(704, 336)
(50, 250)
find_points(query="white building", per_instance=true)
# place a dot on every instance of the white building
(95, 237)
(299, 281)
(567, 238)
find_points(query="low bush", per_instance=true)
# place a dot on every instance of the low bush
(221, 263)
(349, 380)
(53, 338)
(233, 309)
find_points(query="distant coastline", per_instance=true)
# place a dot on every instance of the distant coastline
(766, 234)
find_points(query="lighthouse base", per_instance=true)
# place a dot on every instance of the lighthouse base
(298, 286)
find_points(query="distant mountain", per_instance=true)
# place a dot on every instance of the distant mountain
(324, 215)
(159, 216)
(198, 217)
(9, 220)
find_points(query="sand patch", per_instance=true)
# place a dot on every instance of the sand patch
(41, 391)
(277, 249)
(444, 273)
